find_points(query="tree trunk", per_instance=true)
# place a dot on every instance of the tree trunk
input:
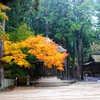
(68, 60)
(68, 67)
(77, 55)
(1, 65)
(81, 60)
(73, 59)
(3, 25)
(1, 55)
(65, 70)
(60, 74)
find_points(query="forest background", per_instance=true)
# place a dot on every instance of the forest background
(74, 24)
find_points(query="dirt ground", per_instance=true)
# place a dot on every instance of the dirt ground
(76, 91)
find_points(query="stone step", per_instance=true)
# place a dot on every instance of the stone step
(51, 82)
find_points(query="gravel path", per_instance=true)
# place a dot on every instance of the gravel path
(76, 91)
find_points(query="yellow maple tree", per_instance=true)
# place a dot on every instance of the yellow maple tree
(14, 54)
(3, 16)
(38, 46)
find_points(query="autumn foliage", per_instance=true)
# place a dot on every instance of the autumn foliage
(38, 46)
(14, 54)
(2, 14)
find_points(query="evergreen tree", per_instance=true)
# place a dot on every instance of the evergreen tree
(20, 9)
(68, 22)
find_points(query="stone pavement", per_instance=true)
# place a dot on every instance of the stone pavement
(77, 91)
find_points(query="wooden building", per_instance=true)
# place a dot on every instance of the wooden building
(92, 67)
(44, 71)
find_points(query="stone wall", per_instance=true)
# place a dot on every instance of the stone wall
(8, 82)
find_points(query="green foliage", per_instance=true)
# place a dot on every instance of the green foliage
(67, 21)
(20, 12)
(17, 71)
(97, 24)
(20, 72)
(1, 33)
(21, 33)
(3, 16)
